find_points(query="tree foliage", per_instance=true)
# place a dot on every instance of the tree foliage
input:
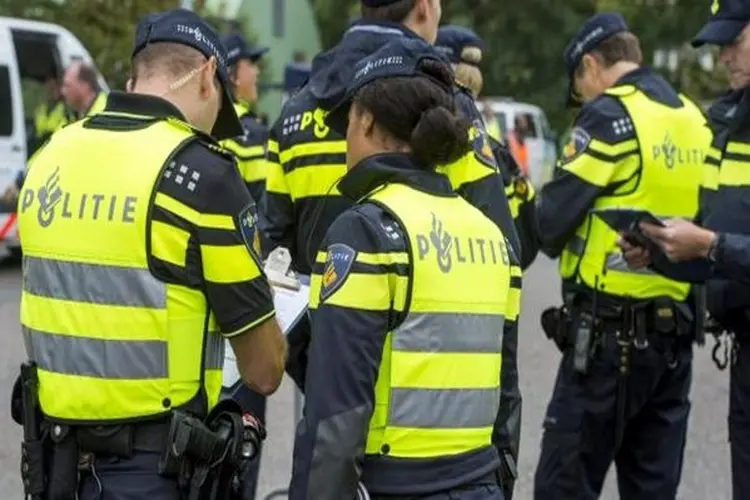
(525, 42)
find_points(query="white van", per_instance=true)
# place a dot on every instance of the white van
(542, 142)
(28, 50)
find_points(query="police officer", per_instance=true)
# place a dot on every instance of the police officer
(51, 114)
(464, 49)
(250, 147)
(135, 273)
(622, 387)
(405, 300)
(307, 159)
(81, 90)
(721, 251)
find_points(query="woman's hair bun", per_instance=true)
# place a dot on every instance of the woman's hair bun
(440, 137)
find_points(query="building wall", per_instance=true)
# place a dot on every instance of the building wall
(286, 26)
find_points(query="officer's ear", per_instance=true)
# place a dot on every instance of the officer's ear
(589, 64)
(366, 121)
(129, 85)
(208, 78)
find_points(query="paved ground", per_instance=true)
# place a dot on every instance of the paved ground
(706, 473)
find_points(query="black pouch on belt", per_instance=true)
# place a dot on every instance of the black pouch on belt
(115, 440)
(556, 324)
(63, 474)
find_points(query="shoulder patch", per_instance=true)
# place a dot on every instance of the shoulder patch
(247, 221)
(481, 144)
(338, 265)
(577, 144)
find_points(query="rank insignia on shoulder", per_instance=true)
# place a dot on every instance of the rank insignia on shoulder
(338, 265)
(248, 226)
(579, 141)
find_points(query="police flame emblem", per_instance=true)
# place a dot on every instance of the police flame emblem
(442, 241)
(49, 196)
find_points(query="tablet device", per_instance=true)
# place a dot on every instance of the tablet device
(626, 220)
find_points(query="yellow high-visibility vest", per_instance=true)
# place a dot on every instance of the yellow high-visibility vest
(251, 158)
(48, 120)
(111, 341)
(673, 143)
(438, 386)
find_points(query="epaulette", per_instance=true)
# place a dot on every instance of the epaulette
(216, 148)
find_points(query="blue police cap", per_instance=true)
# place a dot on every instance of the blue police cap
(187, 28)
(728, 19)
(399, 58)
(238, 48)
(452, 40)
(593, 32)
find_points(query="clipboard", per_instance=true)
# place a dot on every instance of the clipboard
(291, 299)
(291, 307)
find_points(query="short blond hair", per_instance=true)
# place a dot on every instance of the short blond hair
(468, 73)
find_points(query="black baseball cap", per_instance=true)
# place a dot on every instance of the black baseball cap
(237, 48)
(401, 57)
(593, 32)
(188, 28)
(728, 19)
(453, 39)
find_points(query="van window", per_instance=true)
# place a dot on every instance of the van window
(532, 131)
(6, 103)
(502, 120)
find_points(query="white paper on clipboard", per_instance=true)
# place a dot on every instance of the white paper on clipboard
(290, 306)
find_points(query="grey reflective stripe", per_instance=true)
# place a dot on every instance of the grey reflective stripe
(576, 245)
(92, 283)
(111, 359)
(450, 332)
(444, 408)
(214, 351)
(616, 262)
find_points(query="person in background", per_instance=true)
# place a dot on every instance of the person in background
(50, 115)
(81, 90)
(517, 142)
(488, 115)
(622, 389)
(249, 148)
(406, 356)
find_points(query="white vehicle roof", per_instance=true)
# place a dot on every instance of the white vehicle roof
(505, 104)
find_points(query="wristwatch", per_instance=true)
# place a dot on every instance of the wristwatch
(713, 247)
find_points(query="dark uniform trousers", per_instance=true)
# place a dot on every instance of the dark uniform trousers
(477, 491)
(579, 439)
(136, 478)
(739, 417)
